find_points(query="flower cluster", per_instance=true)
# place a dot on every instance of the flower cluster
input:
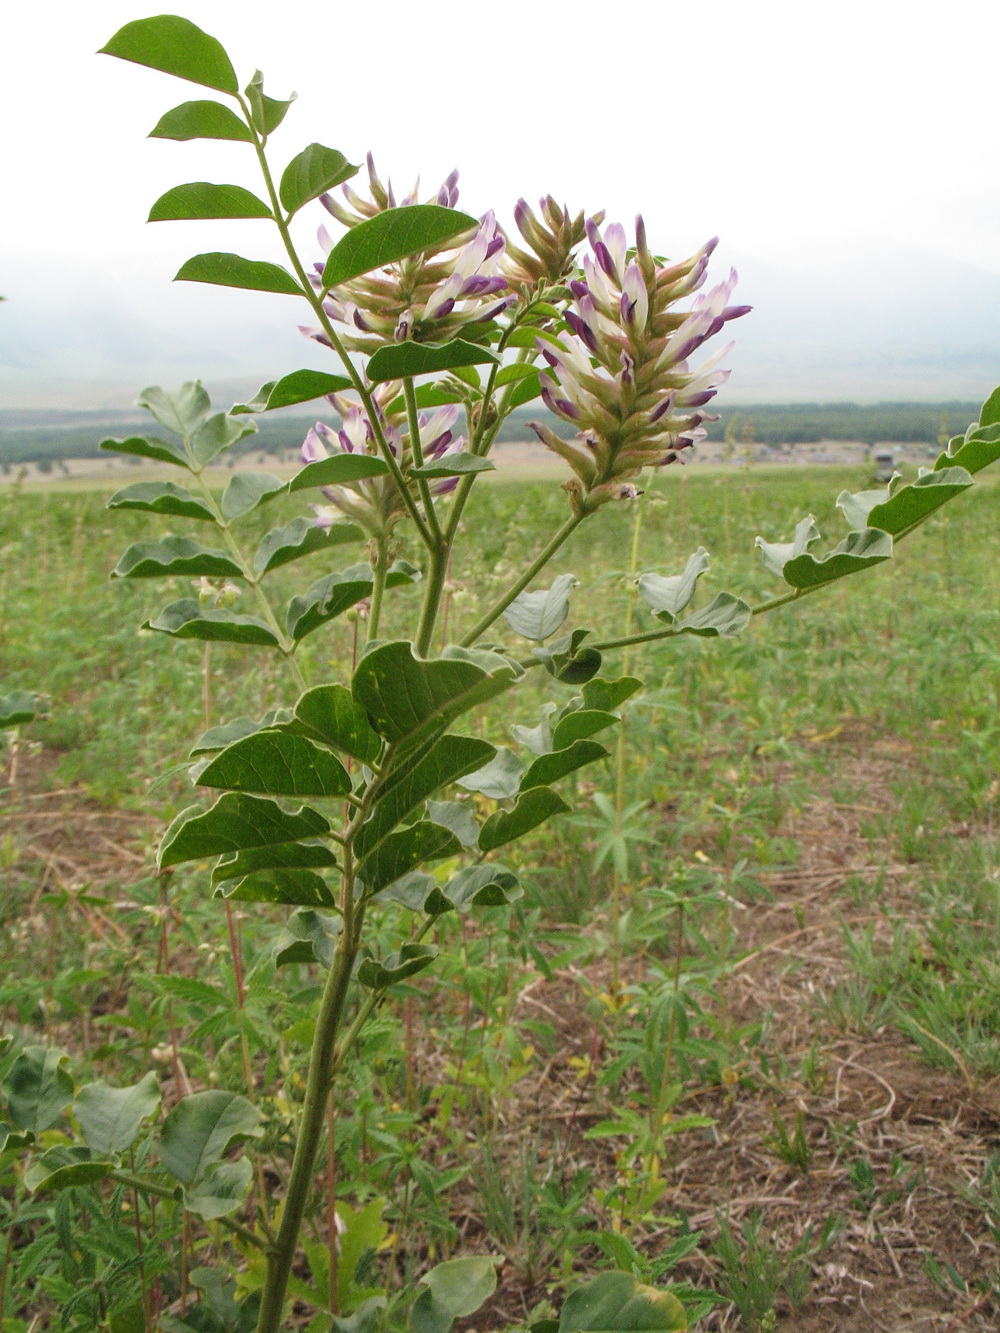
(622, 375)
(551, 240)
(376, 503)
(432, 297)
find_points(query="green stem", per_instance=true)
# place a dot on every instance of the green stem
(437, 573)
(163, 1192)
(413, 418)
(540, 561)
(379, 573)
(316, 302)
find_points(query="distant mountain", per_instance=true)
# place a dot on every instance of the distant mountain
(860, 323)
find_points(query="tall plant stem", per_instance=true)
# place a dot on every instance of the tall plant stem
(616, 878)
(379, 572)
(437, 575)
(316, 302)
(281, 1256)
(416, 448)
(539, 562)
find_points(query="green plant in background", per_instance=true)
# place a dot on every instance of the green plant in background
(373, 806)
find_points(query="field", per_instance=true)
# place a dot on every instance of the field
(742, 1030)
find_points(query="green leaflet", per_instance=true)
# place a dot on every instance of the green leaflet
(110, 1118)
(452, 757)
(620, 1303)
(276, 763)
(301, 386)
(174, 555)
(162, 497)
(247, 490)
(580, 723)
(859, 550)
(407, 698)
(978, 448)
(500, 779)
(38, 1087)
(604, 695)
(200, 1129)
(267, 113)
(669, 596)
(338, 470)
(330, 714)
(537, 615)
(308, 937)
(298, 538)
(183, 411)
(459, 464)
(161, 451)
(188, 619)
(452, 1290)
(311, 173)
(725, 617)
(235, 823)
(395, 361)
(395, 967)
(221, 1190)
(63, 1167)
(203, 200)
(906, 505)
(293, 888)
(331, 596)
(549, 768)
(278, 856)
(392, 235)
(535, 806)
(777, 554)
(223, 269)
(201, 120)
(17, 708)
(175, 46)
(405, 850)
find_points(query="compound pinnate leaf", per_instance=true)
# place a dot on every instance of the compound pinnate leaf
(537, 615)
(395, 967)
(174, 555)
(161, 451)
(392, 235)
(200, 1129)
(308, 937)
(235, 823)
(859, 550)
(311, 173)
(162, 497)
(201, 200)
(246, 490)
(277, 763)
(279, 856)
(330, 714)
(459, 464)
(725, 616)
(450, 758)
(397, 360)
(221, 1189)
(452, 1290)
(38, 1087)
(777, 554)
(669, 596)
(188, 619)
(301, 386)
(110, 1118)
(534, 807)
(301, 537)
(223, 269)
(201, 120)
(175, 46)
(620, 1303)
(407, 698)
(549, 768)
(338, 470)
(405, 850)
(500, 779)
(17, 708)
(292, 888)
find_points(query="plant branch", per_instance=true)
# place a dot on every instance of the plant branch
(164, 1192)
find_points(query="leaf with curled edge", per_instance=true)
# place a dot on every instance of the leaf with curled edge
(777, 554)
(189, 619)
(858, 551)
(905, 505)
(404, 962)
(725, 616)
(235, 823)
(405, 850)
(669, 596)
(536, 805)
(276, 763)
(537, 615)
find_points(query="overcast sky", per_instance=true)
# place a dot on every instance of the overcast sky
(786, 127)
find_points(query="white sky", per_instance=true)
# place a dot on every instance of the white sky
(781, 125)
(763, 120)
